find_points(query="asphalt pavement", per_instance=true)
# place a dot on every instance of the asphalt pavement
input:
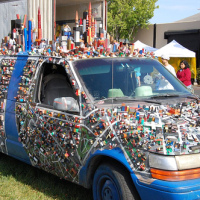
(196, 89)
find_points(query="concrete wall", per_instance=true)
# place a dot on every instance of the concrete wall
(8, 12)
(46, 15)
(146, 35)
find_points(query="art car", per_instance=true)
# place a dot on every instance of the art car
(125, 127)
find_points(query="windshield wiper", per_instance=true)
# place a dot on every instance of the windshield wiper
(126, 98)
(193, 97)
(175, 95)
(164, 95)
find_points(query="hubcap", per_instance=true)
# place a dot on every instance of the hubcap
(109, 191)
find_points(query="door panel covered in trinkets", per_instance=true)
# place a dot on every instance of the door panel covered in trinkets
(49, 136)
(25, 87)
(11, 75)
(7, 67)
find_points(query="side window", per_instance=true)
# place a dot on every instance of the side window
(54, 83)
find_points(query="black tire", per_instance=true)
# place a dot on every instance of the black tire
(113, 183)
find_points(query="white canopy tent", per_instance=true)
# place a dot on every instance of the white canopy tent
(139, 45)
(177, 52)
(174, 49)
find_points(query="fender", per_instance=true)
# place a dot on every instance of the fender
(115, 154)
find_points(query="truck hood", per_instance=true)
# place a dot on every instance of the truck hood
(169, 129)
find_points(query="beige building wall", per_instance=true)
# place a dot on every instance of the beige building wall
(68, 12)
(146, 35)
(65, 10)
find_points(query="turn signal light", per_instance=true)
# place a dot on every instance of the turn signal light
(175, 175)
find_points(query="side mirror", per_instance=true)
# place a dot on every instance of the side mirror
(66, 104)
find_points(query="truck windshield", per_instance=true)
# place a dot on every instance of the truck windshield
(128, 77)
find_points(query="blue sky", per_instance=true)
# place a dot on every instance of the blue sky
(174, 10)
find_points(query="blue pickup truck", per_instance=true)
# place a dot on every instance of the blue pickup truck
(125, 127)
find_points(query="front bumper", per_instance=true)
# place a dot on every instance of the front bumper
(165, 190)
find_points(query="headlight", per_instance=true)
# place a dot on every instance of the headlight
(188, 161)
(175, 168)
(162, 162)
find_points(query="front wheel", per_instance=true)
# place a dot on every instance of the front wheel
(113, 183)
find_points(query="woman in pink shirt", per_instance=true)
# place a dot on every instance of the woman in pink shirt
(184, 74)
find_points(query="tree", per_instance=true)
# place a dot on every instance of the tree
(125, 17)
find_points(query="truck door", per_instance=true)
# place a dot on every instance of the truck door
(50, 134)
(18, 93)
(11, 69)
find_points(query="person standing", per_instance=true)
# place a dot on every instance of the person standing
(165, 61)
(184, 74)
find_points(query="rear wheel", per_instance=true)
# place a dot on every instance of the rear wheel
(113, 183)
